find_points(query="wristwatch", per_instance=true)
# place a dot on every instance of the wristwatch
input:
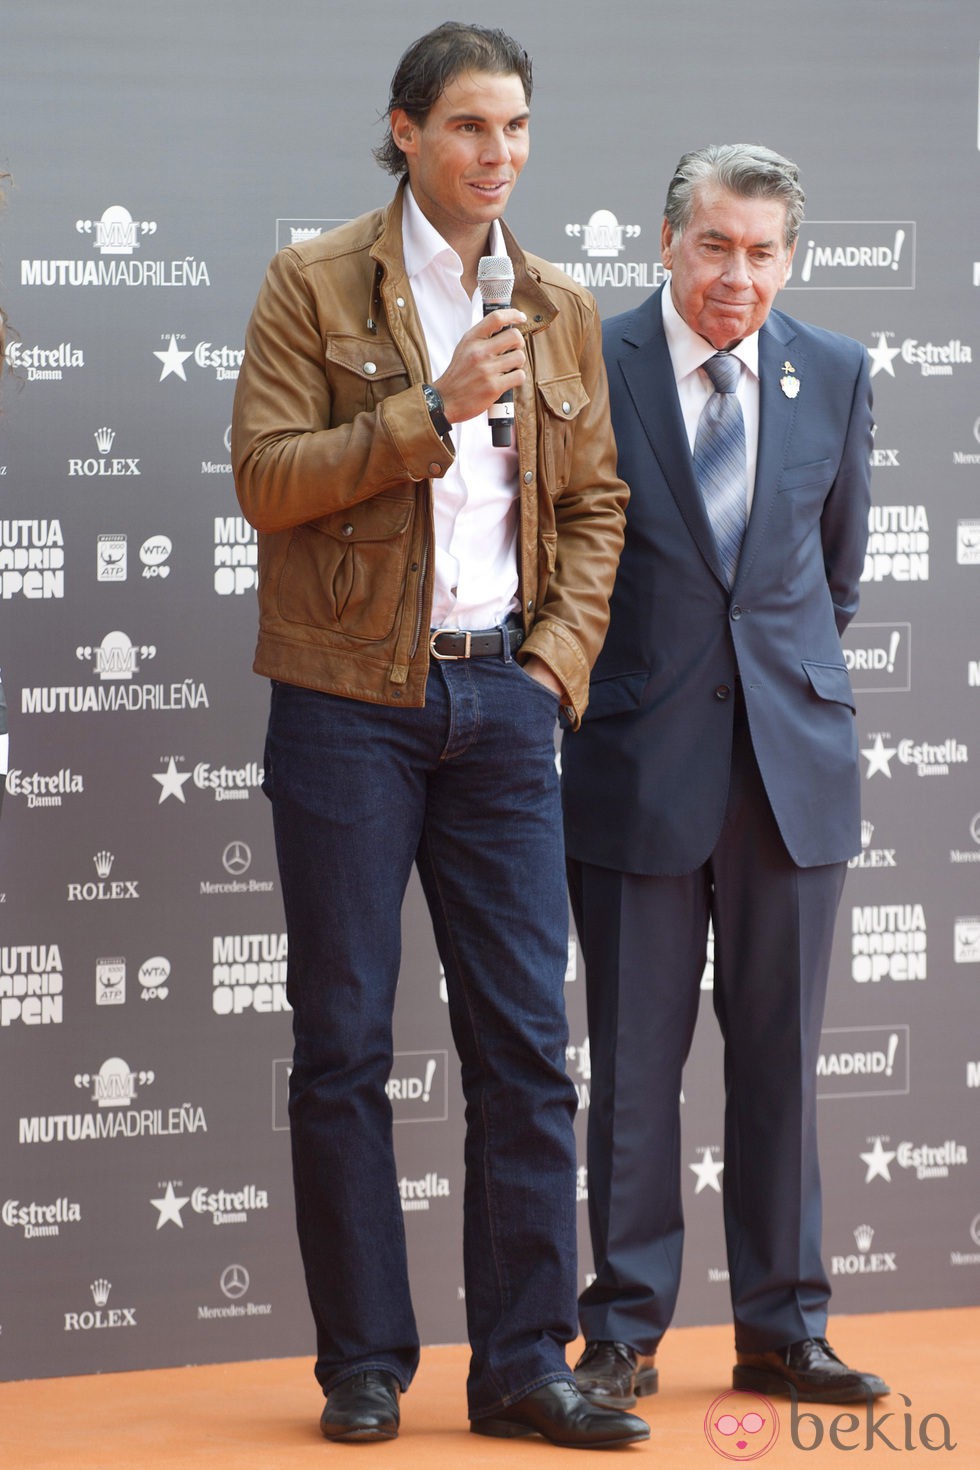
(437, 410)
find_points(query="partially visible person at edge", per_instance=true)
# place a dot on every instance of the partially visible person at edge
(4, 736)
(716, 779)
(428, 602)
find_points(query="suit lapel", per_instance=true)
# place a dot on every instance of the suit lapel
(649, 377)
(777, 414)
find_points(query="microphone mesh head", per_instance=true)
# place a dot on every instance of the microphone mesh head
(495, 278)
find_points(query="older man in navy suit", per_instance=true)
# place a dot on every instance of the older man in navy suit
(716, 779)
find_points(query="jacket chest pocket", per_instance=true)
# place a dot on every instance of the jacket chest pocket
(361, 371)
(346, 571)
(561, 400)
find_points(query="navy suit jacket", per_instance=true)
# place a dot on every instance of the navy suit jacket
(645, 779)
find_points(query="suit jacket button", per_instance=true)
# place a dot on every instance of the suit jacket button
(722, 692)
(736, 612)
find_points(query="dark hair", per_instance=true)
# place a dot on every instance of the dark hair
(434, 61)
(746, 169)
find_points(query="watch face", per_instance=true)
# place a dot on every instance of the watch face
(437, 412)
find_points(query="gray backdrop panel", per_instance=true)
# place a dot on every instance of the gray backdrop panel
(159, 156)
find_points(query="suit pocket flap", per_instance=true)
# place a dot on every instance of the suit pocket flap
(795, 476)
(830, 681)
(616, 694)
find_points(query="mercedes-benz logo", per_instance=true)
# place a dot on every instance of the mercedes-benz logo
(975, 828)
(975, 1230)
(234, 1281)
(237, 857)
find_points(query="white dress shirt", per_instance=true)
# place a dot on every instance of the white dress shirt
(688, 351)
(475, 504)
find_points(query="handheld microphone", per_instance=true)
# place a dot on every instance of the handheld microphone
(495, 278)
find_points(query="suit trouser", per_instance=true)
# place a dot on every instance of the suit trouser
(466, 789)
(644, 944)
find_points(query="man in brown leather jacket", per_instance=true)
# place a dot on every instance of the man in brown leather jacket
(406, 557)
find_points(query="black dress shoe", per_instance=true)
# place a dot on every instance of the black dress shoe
(562, 1415)
(614, 1376)
(362, 1407)
(809, 1369)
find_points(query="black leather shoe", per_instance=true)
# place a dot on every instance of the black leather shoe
(810, 1369)
(614, 1376)
(561, 1414)
(362, 1407)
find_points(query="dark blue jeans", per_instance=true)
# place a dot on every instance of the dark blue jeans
(466, 788)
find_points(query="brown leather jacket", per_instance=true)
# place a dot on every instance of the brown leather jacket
(335, 454)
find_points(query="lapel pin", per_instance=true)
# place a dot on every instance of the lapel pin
(789, 382)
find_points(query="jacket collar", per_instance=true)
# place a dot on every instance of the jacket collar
(647, 372)
(777, 415)
(530, 296)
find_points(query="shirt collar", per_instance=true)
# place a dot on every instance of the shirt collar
(422, 244)
(689, 350)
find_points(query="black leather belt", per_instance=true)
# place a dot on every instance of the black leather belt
(450, 643)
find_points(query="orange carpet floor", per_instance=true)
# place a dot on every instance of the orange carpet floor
(263, 1415)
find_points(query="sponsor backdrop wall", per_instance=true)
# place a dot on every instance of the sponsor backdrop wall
(159, 155)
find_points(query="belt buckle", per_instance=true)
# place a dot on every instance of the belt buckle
(449, 657)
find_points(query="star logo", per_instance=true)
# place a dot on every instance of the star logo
(170, 1207)
(878, 757)
(877, 1161)
(172, 782)
(882, 357)
(707, 1171)
(173, 360)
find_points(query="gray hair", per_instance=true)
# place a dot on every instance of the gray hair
(746, 169)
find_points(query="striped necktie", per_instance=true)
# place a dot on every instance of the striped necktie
(719, 460)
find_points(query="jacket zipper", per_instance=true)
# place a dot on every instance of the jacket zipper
(423, 568)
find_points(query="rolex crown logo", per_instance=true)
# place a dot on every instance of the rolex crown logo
(867, 832)
(103, 438)
(103, 863)
(863, 1236)
(100, 1291)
